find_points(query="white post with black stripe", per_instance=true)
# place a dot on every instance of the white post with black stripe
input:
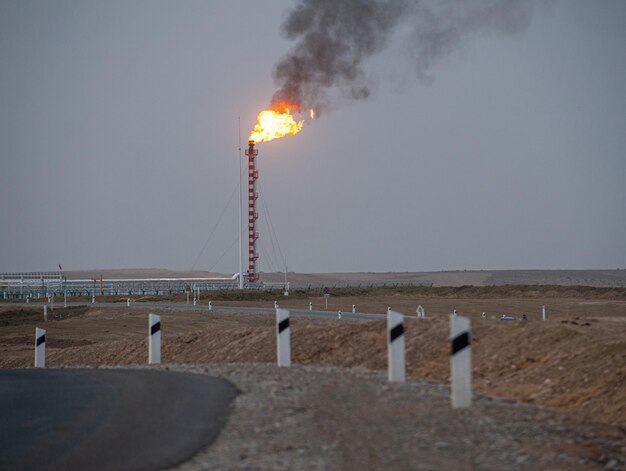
(310, 306)
(461, 362)
(154, 339)
(45, 312)
(210, 306)
(283, 338)
(40, 348)
(395, 349)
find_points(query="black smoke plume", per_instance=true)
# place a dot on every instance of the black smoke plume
(335, 38)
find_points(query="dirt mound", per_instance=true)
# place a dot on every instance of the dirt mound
(32, 316)
(576, 360)
(458, 292)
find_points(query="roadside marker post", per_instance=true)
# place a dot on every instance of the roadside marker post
(283, 338)
(460, 362)
(310, 306)
(45, 312)
(210, 306)
(339, 314)
(93, 299)
(543, 313)
(395, 348)
(275, 304)
(187, 297)
(40, 348)
(127, 302)
(154, 339)
(353, 308)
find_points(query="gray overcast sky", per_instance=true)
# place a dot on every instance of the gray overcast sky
(118, 144)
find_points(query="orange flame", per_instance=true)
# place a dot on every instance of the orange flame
(276, 122)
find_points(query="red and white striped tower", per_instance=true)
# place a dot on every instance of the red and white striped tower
(253, 215)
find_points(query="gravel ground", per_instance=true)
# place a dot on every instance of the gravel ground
(333, 418)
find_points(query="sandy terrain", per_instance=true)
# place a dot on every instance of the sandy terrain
(574, 361)
(321, 418)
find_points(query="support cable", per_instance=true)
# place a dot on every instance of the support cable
(272, 230)
(271, 235)
(224, 253)
(214, 228)
(266, 258)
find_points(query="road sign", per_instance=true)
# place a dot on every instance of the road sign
(326, 292)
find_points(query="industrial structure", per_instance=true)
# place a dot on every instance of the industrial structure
(253, 215)
(45, 284)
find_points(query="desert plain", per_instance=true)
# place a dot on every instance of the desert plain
(574, 362)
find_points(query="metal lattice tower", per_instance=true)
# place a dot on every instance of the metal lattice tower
(253, 215)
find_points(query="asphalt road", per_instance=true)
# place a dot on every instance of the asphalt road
(205, 307)
(257, 310)
(98, 419)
